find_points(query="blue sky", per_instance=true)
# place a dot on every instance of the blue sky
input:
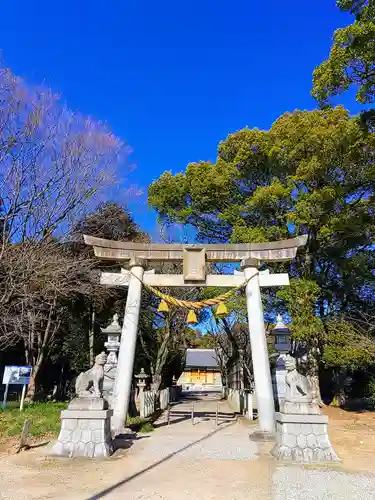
(172, 78)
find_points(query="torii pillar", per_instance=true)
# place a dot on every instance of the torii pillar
(125, 362)
(194, 258)
(259, 351)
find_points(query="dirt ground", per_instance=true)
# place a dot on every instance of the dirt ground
(33, 476)
(352, 435)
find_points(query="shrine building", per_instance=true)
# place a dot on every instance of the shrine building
(201, 372)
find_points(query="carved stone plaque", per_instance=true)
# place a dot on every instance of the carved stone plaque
(194, 261)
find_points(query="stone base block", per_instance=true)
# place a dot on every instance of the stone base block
(84, 433)
(303, 438)
(262, 436)
(88, 403)
(299, 408)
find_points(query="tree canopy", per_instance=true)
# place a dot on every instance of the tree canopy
(351, 61)
(109, 221)
(313, 173)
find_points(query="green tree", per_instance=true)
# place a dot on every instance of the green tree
(336, 343)
(313, 173)
(351, 61)
(165, 337)
(111, 221)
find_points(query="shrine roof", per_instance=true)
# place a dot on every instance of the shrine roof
(201, 358)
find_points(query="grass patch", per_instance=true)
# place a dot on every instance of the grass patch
(45, 419)
(146, 428)
(139, 424)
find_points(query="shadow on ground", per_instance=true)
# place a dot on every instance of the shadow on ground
(126, 441)
(109, 490)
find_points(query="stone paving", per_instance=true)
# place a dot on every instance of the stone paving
(181, 462)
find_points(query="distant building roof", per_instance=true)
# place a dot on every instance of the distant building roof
(201, 358)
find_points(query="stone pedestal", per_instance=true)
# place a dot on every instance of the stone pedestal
(262, 436)
(301, 432)
(110, 371)
(113, 331)
(303, 438)
(278, 381)
(85, 429)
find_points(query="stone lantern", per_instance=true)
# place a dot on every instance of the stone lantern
(113, 332)
(282, 336)
(141, 384)
(141, 402)
(282, 345)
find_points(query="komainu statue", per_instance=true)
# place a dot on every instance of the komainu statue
(301, 432)
(299, 397)
(90, 383)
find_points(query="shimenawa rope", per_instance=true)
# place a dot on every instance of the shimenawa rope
(195, 305)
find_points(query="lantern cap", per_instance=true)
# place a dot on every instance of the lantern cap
(113, 327)
(280, 328)
(279, 321)
(142, 375)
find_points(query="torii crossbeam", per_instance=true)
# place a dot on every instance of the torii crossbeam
(194, 257)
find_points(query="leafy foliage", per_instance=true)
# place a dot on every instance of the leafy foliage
(164, 337)
(110, 221)
(313, 173)
(351, 61)
(301, 298)
(339, 342)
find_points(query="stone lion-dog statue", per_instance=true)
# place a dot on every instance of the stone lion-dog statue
(90, 383)
(299, 397)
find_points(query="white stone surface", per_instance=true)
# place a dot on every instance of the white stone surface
(295, 483)
(84, 433)
(124, 374)
(215, 280)
(302, 419)
(279, 379)
(261, 365)
(303, 440)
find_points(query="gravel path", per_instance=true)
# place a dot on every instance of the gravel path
(295, 483)
(181, 462)
(203, 440)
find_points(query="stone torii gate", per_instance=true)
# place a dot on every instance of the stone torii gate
(194, 257)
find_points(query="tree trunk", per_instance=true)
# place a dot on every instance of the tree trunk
(339, 397)
(156, 382)
(31, 390)
(161, 360)
(313, 356)
(315, 385)
(91, 336)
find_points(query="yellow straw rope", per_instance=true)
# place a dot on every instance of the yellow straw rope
(187, 304)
